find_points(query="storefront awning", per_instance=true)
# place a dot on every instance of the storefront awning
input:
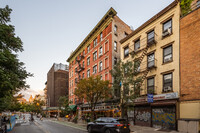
(72, 107)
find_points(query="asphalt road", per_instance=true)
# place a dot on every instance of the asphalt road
(45, 126)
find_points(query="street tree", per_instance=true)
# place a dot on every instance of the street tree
(12, 71)
(63, 101)
(93, 89)
(126, 84)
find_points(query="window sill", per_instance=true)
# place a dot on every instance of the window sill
(163, 37)
(167, 62)
(167, 92)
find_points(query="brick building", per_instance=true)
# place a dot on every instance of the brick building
(57, 84)
(155, 47)
(97, 54)
(190, 70)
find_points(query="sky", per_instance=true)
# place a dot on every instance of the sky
(52, 29)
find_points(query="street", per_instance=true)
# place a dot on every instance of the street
(44, 126)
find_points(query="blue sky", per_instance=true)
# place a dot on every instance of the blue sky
(51, 29)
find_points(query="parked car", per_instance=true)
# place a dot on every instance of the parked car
(109, 125)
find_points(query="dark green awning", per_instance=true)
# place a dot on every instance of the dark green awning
(72, 107)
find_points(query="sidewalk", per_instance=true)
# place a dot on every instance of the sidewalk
(143, 129)
(133, 128)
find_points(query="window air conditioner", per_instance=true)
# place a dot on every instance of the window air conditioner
(166, 32)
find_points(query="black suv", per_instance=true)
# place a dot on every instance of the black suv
(109, 125)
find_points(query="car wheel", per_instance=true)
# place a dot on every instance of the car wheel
(107, 131)
(89, 129)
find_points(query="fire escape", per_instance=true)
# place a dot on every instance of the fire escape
(78, 70)
(149, 65)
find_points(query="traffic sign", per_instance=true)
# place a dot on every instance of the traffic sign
(150, 98)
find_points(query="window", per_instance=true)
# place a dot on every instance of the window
(95, 56)
(150, 85)
(88, 49)
(95, 42)
(167, 82)
(198, 3)
(137, 45)
(88, 61)
(101, 36)
(125, 34)
(101, 77)
(150, 60)
(72, 82)
(167, 27)
(100, 66)
(100, 51)
(94, 69)
(115, 60)
(83, 65)
(115, 29)
(126, 51)
(115, 46)
(76, 80)
(76, 71)
(88, 73)
(83, 52)
(83, 75)
(72, 73)
(136, 66)
(76, 60)
(167, 54)
(150, 36)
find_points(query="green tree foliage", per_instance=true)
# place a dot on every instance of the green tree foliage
(185, 6)
(93, 89)
(126, 84)
(12, 71)
(63, 101)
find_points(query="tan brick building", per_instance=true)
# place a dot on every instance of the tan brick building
(96, 55)
(190, 71)
(155, 44)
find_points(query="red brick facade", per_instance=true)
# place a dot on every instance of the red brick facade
(190, 56)
(109, 37)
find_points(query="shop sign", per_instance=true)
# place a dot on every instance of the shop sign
(166, 96)
(141, 99)
(158, 97)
